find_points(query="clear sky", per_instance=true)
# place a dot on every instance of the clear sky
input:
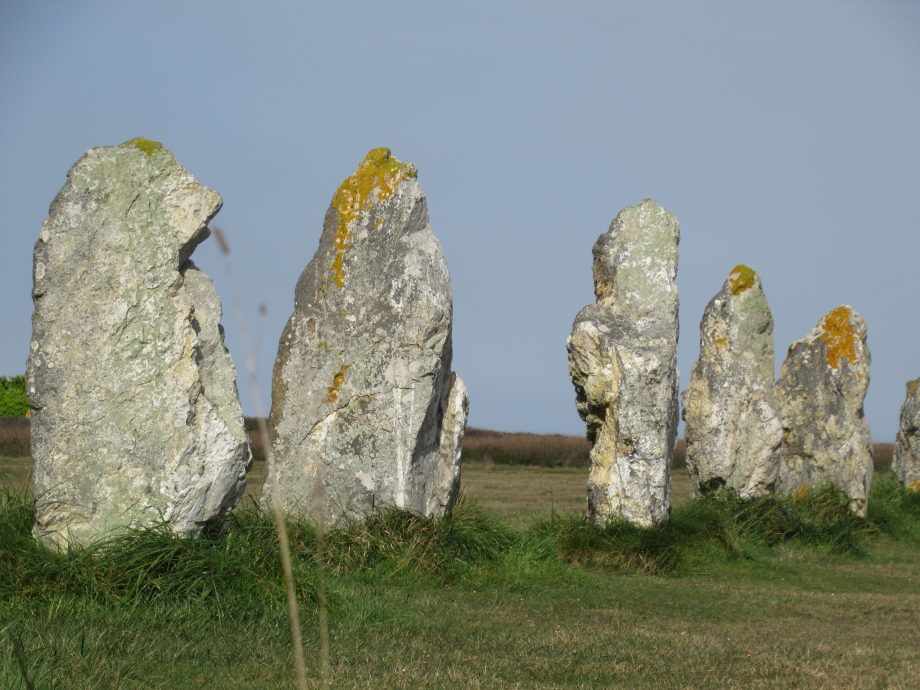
(783, 135)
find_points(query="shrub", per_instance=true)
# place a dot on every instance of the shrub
(13, 399)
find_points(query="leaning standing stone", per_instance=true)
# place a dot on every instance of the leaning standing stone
(623, 362)
(732, 429)
(820, 393)
(136, 418)
(906, 463)
(365, 409)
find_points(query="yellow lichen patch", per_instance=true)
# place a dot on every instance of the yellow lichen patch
(913, 386)
(378, 173)
(721, 344)
(378, 223)
(345, 313)
(915, 487)
(839, 338)
(741, 278)
(337, 382)
(144, 145)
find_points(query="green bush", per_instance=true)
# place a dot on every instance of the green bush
(13, 399)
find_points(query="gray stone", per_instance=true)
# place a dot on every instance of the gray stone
(365, 410)
(623, 362)
(136, 419)
(819, 395)
(733, 432)
(906, 462)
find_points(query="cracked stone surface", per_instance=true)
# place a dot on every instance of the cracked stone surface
(136, 417)
(365, 409)
(733, 431)
(819, 395)
(906, 462)
(623, 363)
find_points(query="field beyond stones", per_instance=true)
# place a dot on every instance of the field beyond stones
(514, 591)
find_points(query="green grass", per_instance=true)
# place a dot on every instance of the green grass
(729, 593)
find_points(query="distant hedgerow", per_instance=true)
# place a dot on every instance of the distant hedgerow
(13, 399)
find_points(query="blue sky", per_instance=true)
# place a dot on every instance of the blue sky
(783, 135)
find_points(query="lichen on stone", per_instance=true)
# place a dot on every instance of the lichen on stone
(379, 173)
(146, 145)
(838, 336)
(337, 382)
(742, 278)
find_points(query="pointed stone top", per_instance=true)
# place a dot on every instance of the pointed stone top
(842, 330)
(742, 278)
(377, 178)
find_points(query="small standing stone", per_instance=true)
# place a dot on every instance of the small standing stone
(906, 462)
(365, 409)
(732, 429)
(136, 417)
(623, 362)
(820, 393)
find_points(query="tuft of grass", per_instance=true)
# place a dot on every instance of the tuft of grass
(720, 526)
(398, 541)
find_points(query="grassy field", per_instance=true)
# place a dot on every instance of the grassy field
(506, 594)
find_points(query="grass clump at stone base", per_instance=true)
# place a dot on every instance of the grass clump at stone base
(463, 601)
(720, 526)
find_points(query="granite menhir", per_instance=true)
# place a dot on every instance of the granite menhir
(366, 412)
(623, 362)
(136, 418)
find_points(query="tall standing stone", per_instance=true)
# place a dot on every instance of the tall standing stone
(623, 362)
(906, 462)
(365, 409)
(819, 394)
(136, 417)
(732, 429)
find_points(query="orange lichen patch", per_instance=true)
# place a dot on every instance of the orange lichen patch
(337, 382)
(838, 336)
(741, 278)
(915, 487)
(379, 173)
(801, 493)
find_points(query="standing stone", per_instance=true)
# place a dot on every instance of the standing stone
(136, 418)
(906, 463)
(623, 362)
(732, 429)
(820, 393)
(365, 409)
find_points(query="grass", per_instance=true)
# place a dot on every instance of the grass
(773, 593)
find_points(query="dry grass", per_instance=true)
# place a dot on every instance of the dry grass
(14, 436)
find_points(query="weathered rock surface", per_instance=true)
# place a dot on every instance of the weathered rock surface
(906, 462)
(365, 409)
(623, 362)
(819, 395)
(733, 432)
(136, 417)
